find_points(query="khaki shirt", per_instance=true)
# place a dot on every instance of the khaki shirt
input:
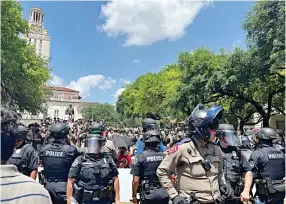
(186, 160)
(109, 148)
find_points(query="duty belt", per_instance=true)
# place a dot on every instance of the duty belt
(266, 187)
(106, 192)
(55, 180)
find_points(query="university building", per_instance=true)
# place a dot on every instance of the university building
(61, 97)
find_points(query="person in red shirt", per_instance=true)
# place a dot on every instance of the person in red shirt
(124, 158)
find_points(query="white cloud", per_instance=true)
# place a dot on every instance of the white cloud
(145, 22)
(118, 93)
(56, 81)
(136, 61)
(86, 83)
(107, 83)
(124, 81)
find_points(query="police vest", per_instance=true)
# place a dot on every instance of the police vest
(55, 161)
(232, 166)
(94, 173)
(19, 160)
(152, 160)
(246, 153)
(274, 168)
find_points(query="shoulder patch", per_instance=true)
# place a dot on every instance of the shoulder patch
(185, 140)
(135, 160)
(75, 163)
(173, 149)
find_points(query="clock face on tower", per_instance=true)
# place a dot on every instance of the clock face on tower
(36, 28)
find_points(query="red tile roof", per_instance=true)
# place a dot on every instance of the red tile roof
(59, 88)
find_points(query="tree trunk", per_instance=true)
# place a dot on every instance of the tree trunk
(266, 119)
(241, 124)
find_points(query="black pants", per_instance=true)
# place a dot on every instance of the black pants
(162, 201)
(229, 201)
(276, 198)
(57, 192)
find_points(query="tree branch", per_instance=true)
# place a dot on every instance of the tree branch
(258, 121)
(242, 97)
(212, 99)
(279, 110)
(280, 90)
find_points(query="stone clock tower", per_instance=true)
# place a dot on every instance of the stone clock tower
(38, 35)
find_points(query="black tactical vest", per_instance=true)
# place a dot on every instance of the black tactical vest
(55, 161)
(19, 160)
(232, 166)
(152, 160)
(94, 173)
(274, 164)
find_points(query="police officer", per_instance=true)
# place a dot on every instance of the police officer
(25, 157)
(57, 158)
(93, 175)
(109, 148)
(145, 172)
(269, 168)
(198, 163)
(279, 142)
(235, 164)
(147, 124)
(244, 144)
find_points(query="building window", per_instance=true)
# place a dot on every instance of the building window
(56, 113)
(280, 124)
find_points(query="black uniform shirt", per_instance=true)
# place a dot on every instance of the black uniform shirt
(244, 164)
(28, 155)
(259, 159)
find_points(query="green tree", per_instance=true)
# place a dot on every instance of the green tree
(150, 94)
(24, 75)
(198, 70)
(254, 78)
(265, 28)
(100, 112)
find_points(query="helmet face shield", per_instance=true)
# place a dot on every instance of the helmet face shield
(203, 122)
(229, 137)
(213, 125)
(151, 127)
(93, 145)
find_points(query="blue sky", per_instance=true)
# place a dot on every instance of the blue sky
(97, 47)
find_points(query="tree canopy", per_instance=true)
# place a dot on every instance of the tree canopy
(100, 112)
(24, 74)
(245, 82)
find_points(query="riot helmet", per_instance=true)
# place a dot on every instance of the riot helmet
(203, 123)
(226, 133)
(59, 130)
(149, 124)
(152, 136)
(266, 133)
(8, 132)
(94, 143)
(97, 128)
(22, 133)
(244, 142)
(152, 139)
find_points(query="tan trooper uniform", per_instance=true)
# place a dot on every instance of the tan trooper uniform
(187, 160)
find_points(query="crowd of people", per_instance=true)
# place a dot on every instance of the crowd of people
(202, 162)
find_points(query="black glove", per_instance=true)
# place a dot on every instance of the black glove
(225, 192)
(179, 200)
